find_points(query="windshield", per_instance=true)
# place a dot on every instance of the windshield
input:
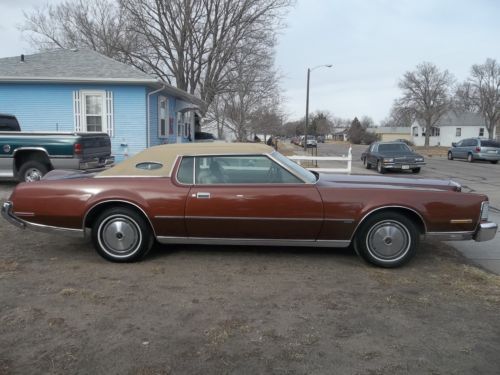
(306, 175)
(393, 147)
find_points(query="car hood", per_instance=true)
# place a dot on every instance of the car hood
(388, 182)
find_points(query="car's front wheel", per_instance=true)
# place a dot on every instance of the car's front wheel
(387, 239)
(416, 170)
(450, 155)
(120, 234)
(494, 161)
(380, 168)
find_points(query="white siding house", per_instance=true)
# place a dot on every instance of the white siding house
(452, 127)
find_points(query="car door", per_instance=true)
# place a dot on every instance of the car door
(251, 197)
(458, 150)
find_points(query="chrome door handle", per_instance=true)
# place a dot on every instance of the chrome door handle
(201, 195)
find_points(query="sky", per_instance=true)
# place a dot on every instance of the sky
(370, 43)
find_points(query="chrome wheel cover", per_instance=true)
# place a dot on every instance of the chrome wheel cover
(388, 241)
(119, 236)
(32, 174)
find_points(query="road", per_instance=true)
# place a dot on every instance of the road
(478, 177)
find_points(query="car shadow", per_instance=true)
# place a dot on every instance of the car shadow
(160, 250)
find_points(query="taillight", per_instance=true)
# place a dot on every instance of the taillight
(478, 149)
(78, 148)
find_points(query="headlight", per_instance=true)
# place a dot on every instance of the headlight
(419, 159)
(388, 160)
(485, 208)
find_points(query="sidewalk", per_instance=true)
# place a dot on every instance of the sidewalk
(484, 254)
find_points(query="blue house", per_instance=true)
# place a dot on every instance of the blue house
(81, 90)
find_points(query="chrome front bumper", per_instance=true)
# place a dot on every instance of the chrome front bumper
(8, 215)
(486, 231)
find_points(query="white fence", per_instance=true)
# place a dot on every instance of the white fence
(347, 158)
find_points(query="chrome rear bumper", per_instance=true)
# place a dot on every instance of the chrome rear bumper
(14, 220)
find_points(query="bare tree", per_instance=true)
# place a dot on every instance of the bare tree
(398, 117)
(481, 93)
(187, 43)
(426, 95)
(253, 92)
(100, 25)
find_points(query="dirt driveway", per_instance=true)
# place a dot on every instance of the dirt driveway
(217, 310)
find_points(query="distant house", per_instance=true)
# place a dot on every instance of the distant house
(452, 127)
(83, 91)
(392, 133)
(339, 134)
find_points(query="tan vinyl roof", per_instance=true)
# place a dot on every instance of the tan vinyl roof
(167, 154)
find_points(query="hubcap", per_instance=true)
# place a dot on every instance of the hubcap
(32, 174)
(120, 235)
(388, 240)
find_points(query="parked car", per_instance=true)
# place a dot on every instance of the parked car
(392, 155)
(475, 149)
(204, 137)
(311, 141)
(28, 156)
(245, 194)
(320, 139)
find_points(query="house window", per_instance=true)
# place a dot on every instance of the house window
(162, 116)
(458, 132)
(415, 131)
(435, 131)
(94, 104)
(481, 132)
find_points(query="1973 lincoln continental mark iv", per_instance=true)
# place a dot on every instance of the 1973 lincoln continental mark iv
(238, 194)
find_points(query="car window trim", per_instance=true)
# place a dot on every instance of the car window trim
(269, 156)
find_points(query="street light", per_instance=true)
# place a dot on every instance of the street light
(309, 70)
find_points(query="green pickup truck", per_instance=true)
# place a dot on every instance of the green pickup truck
(27, 156)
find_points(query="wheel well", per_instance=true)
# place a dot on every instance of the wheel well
(409, 213)
(95, 211)
(22, 157)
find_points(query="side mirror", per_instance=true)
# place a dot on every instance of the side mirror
(453, 144)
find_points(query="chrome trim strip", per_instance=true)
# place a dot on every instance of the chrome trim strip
(23, 224)
(254, 218)
(450, 236)
(385, 207)
(250, 241)
(118, 201)
(168, 217)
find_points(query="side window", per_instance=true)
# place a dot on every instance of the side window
(460, 144)
(245, 169)
(185, 173)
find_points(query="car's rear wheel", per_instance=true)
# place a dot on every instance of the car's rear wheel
(366, 164)
(387, 239)
(32, 171)
(470, 158)
(494, 161)
(450, 155)
(416, 170)
(120, 234)
(380, 168)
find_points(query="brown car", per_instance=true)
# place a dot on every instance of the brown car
(245, 194)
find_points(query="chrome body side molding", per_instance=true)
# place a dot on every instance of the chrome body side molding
(251, 241)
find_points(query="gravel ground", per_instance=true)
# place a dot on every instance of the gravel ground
(217, 310)
(240, 310)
